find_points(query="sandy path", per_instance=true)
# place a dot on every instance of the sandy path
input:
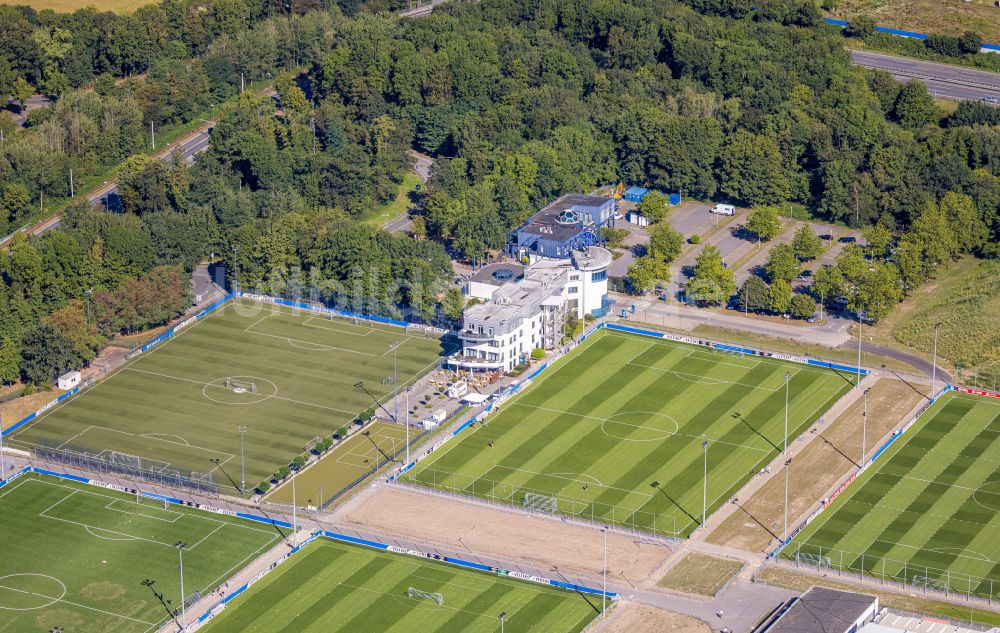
(631, 617)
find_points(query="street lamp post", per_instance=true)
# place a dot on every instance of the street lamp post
(934, 371)
(243, 462)
(180, 545)
(236, 273)
(858, 382)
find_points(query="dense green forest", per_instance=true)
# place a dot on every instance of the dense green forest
(518, 101)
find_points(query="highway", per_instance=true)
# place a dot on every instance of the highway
(943, 80)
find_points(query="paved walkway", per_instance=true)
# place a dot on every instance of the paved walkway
(832, 334)
(259, 565)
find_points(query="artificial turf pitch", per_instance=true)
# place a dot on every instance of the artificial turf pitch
(614, 432)
(83, 559)
(171, 405)
(926, 512)
(332, 587)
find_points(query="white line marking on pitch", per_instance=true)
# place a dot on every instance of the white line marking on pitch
(82, 606)
(594, 417)
(209, 384)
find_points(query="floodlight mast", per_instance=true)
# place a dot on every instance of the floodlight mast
(180, 545)
(243, 470)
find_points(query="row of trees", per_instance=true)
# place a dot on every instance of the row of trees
(869, 280)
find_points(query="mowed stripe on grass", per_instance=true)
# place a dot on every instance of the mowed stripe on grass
(75, 556)
(333, 587)
(171, 403)
(615, 431)
(927, 513)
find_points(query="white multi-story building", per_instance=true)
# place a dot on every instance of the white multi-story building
(524, 307)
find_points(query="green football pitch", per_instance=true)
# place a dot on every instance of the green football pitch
(176, 406)
(360, 454)
(332, 587)
(82, 559)
(926, 513)
(614, 432)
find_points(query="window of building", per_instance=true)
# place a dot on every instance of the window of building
(574, 277)
(573, 290)
(600, 275)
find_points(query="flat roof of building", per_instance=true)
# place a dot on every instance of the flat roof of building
(512, 300)
(546, 222)
(498, 274)
(823, 610)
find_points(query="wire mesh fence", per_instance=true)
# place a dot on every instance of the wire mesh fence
(904, 574)
(132, 466)
(505, 494)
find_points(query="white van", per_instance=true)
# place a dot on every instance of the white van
(724, 209)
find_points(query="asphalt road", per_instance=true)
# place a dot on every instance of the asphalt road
(943, 80)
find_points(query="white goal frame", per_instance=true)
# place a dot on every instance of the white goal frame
(413, 592)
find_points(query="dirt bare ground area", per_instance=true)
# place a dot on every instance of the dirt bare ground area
(701, 574)
(632, 617)
(536, 541)
(832, 452)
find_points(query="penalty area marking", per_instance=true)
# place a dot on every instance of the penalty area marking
(959, 552)
(308, 323)
(157, 436)
(90, 530)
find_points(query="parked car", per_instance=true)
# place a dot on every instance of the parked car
(848, 239)
(804, 275)
(812, 319)
(991, 99)
(841, 300)
(724, 209)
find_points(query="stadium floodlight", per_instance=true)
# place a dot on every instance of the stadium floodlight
(502, 616)
(788, 376)
(3, 465)
(395, 384)
(180, 545)
(784, 537)
(704, 488)
(864, 428)
(243, 469)
(604, 585)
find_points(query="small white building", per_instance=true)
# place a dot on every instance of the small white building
(634, 217)
(525, 307)
(68, 380)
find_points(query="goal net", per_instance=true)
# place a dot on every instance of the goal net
(413, 592)
(241, 386)
(540, 503)
(814, 560)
